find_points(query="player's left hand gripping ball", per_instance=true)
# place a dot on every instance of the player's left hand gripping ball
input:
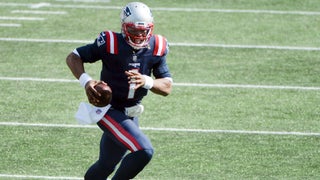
(106, 94)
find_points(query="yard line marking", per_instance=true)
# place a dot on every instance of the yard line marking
(37, 79)
(45, 40)
(252, 11)
(39, 177)
(39, 5)
(14, 4)
(233, 131)
(47, 125)
(247, 46)
(249, 86)
(94, 1)
(22, 18)
(170, 129)
(10, 25)
(238, 11)
(39, 12)
(233, 46)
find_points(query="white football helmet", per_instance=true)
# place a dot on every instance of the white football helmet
(136, 24)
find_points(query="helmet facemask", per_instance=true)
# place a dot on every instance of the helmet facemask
(137, 35)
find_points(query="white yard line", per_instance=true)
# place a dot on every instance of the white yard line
(45, 40)
(234, 46)
(92, 1)
(249, 86)
(22, 18)
(170, 129)
(15, 176)
(252, 11)
(9, 25)
(38, 12)
(37, 79)
(39, 5)
(247, 46)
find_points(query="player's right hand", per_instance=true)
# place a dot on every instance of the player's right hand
(92, 94)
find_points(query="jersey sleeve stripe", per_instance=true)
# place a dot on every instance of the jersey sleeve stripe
(112, 42)
(121, 134)
(160, 45)
(156, 45)
(115, 41)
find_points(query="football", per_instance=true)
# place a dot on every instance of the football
(106, 94)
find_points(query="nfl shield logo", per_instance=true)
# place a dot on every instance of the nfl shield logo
(98, 111)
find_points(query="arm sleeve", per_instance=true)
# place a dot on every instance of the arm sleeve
(161, 69)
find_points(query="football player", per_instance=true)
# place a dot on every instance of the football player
(133, 62)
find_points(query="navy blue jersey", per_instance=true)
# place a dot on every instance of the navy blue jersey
(118, 56)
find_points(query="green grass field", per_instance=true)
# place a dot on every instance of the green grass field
(245, 103)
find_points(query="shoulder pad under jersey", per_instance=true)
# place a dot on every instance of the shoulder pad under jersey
(110, 39)
(160, 45)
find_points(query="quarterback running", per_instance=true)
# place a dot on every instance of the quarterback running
(133, 62)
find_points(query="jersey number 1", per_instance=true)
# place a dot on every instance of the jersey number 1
(132, 86)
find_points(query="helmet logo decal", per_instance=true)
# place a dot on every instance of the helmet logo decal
(127, 11)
